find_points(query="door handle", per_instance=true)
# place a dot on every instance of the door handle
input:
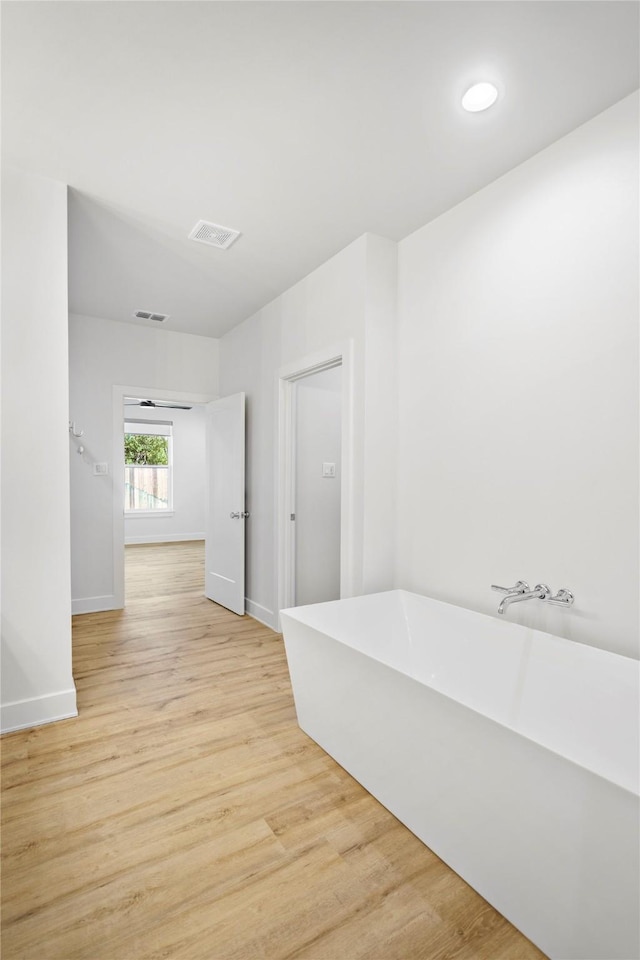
(237, 514)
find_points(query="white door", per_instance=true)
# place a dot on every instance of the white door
(224, 532)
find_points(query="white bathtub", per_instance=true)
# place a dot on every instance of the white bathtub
(511, 753)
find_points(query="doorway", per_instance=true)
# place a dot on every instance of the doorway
(316, 508)
(160, 502)
(317, 415)
(164, 496)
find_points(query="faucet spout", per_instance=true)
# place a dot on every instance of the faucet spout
(540, 592)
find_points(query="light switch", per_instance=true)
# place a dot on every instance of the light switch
(328, 469)
(100, 469)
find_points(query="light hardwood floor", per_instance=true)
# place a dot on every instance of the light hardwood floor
(185, 815)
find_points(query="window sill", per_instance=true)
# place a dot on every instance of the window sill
(147, 514)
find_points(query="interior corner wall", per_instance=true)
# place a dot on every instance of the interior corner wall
(333, 304)
(381, 414)
(37, 683)
(102, 354)
(518, 372)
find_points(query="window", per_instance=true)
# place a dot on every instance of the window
(148, 467)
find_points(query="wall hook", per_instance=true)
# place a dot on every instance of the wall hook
(76, 434)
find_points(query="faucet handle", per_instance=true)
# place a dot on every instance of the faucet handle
(563, 598)
(544, 589)
(520, 587)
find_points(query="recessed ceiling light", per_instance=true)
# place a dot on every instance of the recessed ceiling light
(479, 97)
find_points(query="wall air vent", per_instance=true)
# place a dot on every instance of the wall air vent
(214, 235)
(147, 315)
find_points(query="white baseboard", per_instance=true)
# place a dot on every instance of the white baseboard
(165, 538)
(38, 710)
(263, 614)
(94, 604)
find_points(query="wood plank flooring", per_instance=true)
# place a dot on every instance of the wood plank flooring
(183, 814)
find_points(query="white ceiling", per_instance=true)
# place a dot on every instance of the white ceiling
(301, 124)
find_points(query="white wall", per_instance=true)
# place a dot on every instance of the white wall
(37, 684)
(518, 372)
(318, 415)
(514, 446)
(103, 354)
(352, 296)
(186, 520)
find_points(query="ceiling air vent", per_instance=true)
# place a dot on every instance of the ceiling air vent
(147, 315)
(214, 235)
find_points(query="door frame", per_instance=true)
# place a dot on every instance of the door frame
(117, 459)
(340, 354)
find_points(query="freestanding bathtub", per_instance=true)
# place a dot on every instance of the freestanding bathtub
(511, 753)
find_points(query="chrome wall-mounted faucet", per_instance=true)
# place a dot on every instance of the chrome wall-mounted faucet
(520, 591)
(540, 592)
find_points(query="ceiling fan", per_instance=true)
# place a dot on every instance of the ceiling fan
(160, 404)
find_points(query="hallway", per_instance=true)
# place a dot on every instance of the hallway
(184, 814)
